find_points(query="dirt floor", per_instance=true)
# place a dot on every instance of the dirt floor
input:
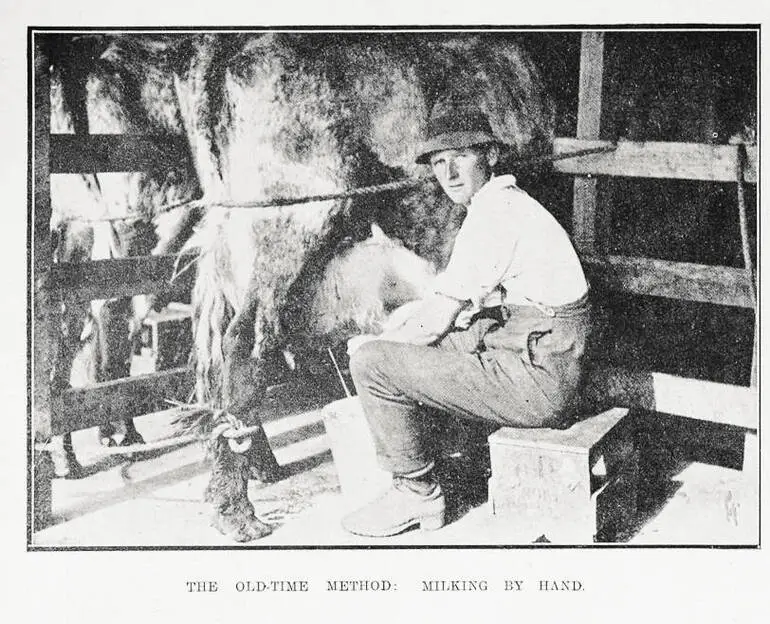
(155, 500)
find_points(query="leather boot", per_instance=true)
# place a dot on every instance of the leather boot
(407, 503)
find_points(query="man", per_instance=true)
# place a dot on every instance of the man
(501, 339)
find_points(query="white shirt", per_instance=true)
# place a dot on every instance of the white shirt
(509, 243)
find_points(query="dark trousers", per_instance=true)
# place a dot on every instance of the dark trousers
(521, 369)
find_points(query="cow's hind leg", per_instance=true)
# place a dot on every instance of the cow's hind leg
(65, 461)
(63, 455)
(233, 512)
(114, 322)
(132, 435)
(243, 390)
(245, 383)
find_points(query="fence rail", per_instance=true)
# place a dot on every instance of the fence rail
(118, 277)
(657, 159)
(673, 280)
(94, 404)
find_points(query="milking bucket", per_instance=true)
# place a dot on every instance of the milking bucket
(352, 445)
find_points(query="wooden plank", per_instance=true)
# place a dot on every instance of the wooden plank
(585, 202)
(674, 280)
(72, 153)
(118, 277)
(697, 399)
(45, 312)
(751, 454)
(657, 159)
(89, 406)
(577, 439)
(706, 400)
(585, 196)
(590, 89)
(754, 375)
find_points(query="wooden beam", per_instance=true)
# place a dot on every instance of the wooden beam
(696, 399)
(656, 159)
(45, 317)
(118, 277)
(590, 89)
(585, 196)
(89, 406)
(754, 375)
(45, 312)
(673, 280)
(116, 152)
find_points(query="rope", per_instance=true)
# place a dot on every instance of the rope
(744, 223)
(232, 429)
(349, 194)
(292, 201)
(130, 449)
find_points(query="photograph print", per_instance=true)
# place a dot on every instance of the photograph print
(393, 288)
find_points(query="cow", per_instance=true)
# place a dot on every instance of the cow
(276, 116)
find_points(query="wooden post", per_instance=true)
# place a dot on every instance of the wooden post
(754, 379)
(585, 202)
(45, 313)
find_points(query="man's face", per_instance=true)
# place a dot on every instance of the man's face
(462, 172)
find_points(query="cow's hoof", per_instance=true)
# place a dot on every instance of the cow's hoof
(240, 529)
(131, 438)
(66, 466)
(251, 530)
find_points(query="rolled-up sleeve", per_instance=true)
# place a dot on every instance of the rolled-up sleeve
(483, 252)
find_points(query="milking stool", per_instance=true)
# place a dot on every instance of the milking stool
(569, 486)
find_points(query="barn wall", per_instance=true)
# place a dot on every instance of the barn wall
(693, 87)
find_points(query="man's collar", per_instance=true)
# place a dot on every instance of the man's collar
(494, 183)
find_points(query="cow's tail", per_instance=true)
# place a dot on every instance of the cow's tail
(211, 315)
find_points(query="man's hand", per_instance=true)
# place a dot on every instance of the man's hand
(423, 322)
(420, 322)
(401, 315)
(357, 341)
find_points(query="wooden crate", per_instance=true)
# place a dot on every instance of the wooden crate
(570, 486)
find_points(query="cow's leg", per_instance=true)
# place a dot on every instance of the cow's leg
(65, 461)
(63, 455)
(245, 383)
(228, 492)
(132, 435)
(114, 322)
(172, 241)
(243, 390)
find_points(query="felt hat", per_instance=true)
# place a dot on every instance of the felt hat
(454, 130)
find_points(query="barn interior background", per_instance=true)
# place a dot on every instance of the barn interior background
(663, 212)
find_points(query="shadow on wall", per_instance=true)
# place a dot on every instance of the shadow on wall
(688, 339)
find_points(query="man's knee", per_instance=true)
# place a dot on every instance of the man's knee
(367, 359)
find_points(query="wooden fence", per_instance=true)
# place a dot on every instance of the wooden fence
(696, 400)
(689, 161)
(75, 409)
